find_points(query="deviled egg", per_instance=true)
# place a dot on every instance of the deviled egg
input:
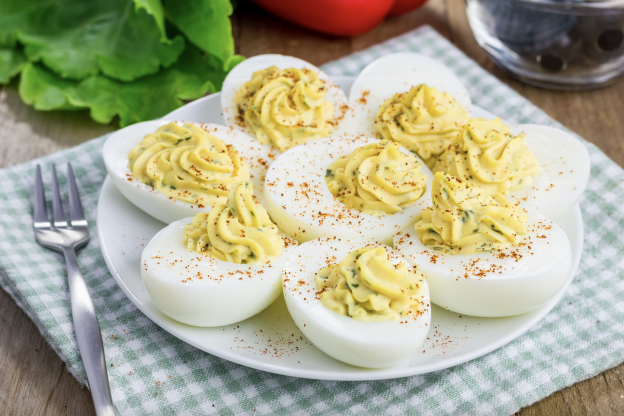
(217, 268)
(174, 170)
(486, 155)
(541, 168)
(283, 101)
(357, 301)
(564, 171)
(354, 187)
(412, 99)
(484, 256)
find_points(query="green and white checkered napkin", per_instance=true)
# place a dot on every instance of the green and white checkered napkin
(153, 372)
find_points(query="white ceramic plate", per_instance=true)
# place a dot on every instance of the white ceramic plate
(271, 341)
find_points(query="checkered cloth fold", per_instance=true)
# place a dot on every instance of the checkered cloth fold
(152, 372)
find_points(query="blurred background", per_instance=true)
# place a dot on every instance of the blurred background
(538, 41)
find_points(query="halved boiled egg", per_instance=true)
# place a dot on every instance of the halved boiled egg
(498, 283)
(300, 202)
(412, 99)
(540, 168)
(171, 179)
(564, 171)
(371, 308)
(218, 268)
(484, 256)
(204, 291)
(283, 101)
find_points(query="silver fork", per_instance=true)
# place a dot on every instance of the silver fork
(66, 238)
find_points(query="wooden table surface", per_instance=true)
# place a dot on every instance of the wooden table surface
(33, 380)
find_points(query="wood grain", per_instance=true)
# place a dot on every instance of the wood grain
(33, 380)
(43, 132)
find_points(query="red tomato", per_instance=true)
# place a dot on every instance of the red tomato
(404, 6)
(335, 17)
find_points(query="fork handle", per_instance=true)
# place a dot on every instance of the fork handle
(89, 337)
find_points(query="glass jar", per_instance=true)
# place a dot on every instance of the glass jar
(557, 44)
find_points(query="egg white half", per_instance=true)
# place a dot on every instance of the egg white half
(398, 73)
(300, 203)
(363, 344)
(202, 291)
(242, 73)
(564, 171)
(159, 206)
(495, 284)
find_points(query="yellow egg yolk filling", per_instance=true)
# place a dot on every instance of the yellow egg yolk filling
(188, 164)
(423, 120)
(285, 107)
(377, 179)
(239, 231)
(367, 287)
(465, 220)
(487, 155)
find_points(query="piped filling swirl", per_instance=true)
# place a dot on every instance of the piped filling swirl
(285, 107)
(239, 231)
(367, 287)
(423, 120)
(188, 164)
(377, 179)
(465, 220)
(488, 156)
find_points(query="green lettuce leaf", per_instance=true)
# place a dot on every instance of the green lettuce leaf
(154, 8)
(44, 90)
(78, 38)
(232, 62)
(11, 63)
(150, 97)
(113, 57)
(205, 23)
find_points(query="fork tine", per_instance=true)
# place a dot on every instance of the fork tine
(76, 214)
(41, 211)
(57, 206)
